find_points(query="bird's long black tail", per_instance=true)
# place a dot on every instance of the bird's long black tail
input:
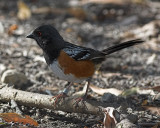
(121, 46)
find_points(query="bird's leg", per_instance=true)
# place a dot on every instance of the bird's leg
(62, 95)
(85, 95)
(81, 99)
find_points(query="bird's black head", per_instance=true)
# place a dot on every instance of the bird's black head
(47, 37)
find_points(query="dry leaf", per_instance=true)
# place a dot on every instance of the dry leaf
(116, 2)
(130, 91)
(81, 93)
(79, 13)
(157, 125)
(156, 88)
(117, 74)
(144, 102)
(12, 28)
(153, 110)
(39, 58)
(104, 1)
(101, 91)
(111, 117)
(136, 90)
(151, 59)
(23, 11)
(50, 88)
(14, 117)
(68, 30)
(145, 92)
(139, 1)
(1, 28)
(15, 45)
(43, 10)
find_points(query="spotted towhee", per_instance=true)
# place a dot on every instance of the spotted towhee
(68, 61)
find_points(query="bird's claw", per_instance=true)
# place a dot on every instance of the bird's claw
(79, 100)
(58, 98)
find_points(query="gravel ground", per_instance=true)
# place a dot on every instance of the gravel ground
(102, 26)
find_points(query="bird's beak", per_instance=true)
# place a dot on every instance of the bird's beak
(30, 36)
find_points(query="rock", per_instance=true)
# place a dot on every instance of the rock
(40, 76)
(2, 68)
(157, 97)
(1, 28)
(108, 97)
(61, 113)
(129, 20)
(18, 79)
(133, 118)
(125, 124)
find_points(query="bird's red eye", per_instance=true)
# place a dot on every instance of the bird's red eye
(39, 33)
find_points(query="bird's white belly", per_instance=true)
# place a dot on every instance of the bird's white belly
(58, 72)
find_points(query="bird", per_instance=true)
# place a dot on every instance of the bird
(71, 62)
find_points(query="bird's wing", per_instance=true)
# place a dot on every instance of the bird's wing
(82, 53)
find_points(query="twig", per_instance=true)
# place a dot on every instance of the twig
(44, 101)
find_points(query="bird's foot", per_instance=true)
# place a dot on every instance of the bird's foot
(80, 100)
(58, 98)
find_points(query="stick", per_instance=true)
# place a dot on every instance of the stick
(44, 101)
